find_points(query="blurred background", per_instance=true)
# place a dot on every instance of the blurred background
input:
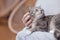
(11, 13)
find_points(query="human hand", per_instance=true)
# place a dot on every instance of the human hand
(27, 19)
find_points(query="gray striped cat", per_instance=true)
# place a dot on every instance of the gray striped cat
(50, 23)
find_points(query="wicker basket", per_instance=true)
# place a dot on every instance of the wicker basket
(15, 24)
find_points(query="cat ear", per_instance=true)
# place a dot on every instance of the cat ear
(30, 9)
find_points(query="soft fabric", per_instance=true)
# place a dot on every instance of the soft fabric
(27, 35)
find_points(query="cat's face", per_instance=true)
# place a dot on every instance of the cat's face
(37, 12)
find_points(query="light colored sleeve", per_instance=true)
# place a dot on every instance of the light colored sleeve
(22, 34)
(38, 35)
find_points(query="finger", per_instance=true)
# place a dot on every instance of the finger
(26, 19)
(25, 15)
(29, 22)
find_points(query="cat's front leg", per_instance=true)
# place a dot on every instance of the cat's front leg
(33, 27)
